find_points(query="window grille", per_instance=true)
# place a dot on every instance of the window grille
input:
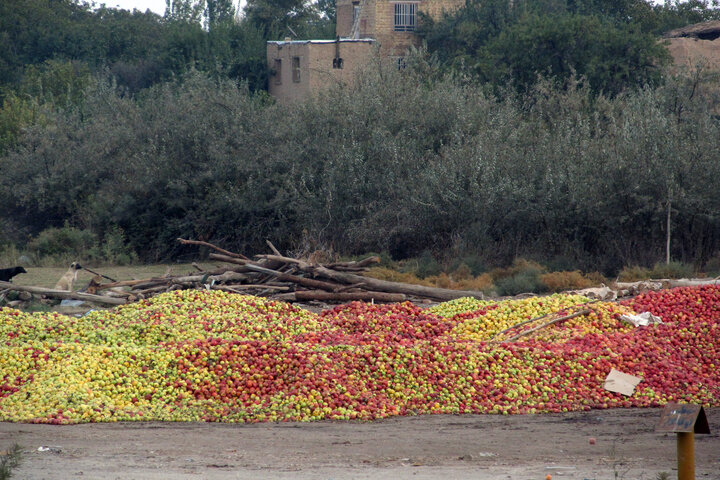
(278, 71)
(405, 17)
(296, 69)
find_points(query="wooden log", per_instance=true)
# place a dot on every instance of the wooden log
(64, 294)
(322, 296)
(214, 247)
(397, 287)
(240, 288)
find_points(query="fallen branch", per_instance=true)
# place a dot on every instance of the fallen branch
(538, 318)
(566, 317)
(210, 245)
(63, 294)
(396, 287)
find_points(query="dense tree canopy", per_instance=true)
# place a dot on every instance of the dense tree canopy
(613, 44)
(136, 129)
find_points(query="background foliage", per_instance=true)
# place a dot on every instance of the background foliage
(129, 130)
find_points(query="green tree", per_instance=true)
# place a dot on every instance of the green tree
(610, 57)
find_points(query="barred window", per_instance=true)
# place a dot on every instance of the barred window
(405, 17)
(296, 69)
(277, 68)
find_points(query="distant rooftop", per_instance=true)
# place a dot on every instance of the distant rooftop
(704, 31)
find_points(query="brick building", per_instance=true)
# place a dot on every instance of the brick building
(364, 28)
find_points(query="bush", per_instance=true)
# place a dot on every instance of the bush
(385, 273)
(562, 281)
(427, 265)
(712, 267)
(633, 274)
(672, 270)
(115, 249)
(63, 245)
(523, 276)
(524, 282)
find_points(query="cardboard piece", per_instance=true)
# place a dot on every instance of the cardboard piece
(683, 417)
(619, 382)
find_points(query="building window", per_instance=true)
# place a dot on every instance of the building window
(405, 17)
(296, 69)
(277, 71)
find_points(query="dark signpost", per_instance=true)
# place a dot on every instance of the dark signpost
(686, 420)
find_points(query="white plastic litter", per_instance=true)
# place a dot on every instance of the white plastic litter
(642, 319)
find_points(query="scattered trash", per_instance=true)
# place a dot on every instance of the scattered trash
(642, 319)
(621, 382)
(71, 303)
(51, 449)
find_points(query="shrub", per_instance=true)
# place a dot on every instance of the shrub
(63, 245)
(527, 281)
(385, 273)
(561, 281)
(427, 265)
(633, 274)
(523, 276)
(115, 249)
(712, 267)
(672, 270)
(9, 461)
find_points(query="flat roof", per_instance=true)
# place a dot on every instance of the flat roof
(301, 42)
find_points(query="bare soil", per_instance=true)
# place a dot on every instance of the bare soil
(425, 447)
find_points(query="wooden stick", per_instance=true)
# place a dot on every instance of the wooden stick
(355, 264)
(272, 247)
(214, 247)
(103, 276)
(566, 317)
(86, 297)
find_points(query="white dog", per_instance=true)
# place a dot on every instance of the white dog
(68, 279)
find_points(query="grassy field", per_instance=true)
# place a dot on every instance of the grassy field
(47, 276)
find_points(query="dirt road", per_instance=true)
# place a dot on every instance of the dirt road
(427, 447)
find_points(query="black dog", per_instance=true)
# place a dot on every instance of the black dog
(6, 274)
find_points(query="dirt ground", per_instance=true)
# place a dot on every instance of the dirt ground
(480, 447)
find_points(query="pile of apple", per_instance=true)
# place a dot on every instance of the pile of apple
(215, 356)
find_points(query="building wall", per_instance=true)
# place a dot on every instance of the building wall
(376, 28)
(377, 20)
(316, 66)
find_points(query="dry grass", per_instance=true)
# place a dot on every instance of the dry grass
(458, 280)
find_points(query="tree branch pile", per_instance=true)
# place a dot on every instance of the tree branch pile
(282, 278)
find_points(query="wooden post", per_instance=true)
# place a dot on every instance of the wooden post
(686, 455)
(686, 420)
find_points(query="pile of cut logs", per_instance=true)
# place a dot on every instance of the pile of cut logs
(272, 275)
